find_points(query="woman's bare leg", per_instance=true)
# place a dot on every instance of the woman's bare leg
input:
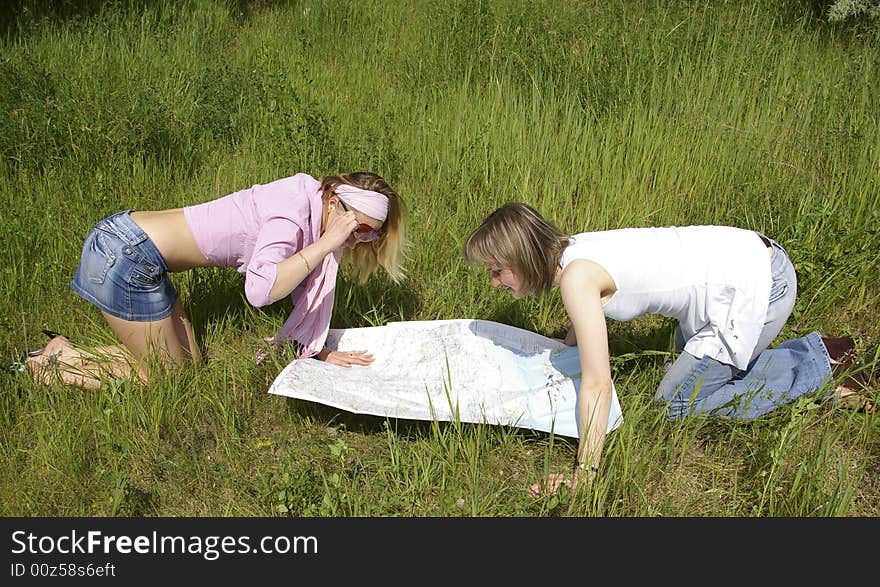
(167, 337)
(185, 333)
(172, 338)
(80, 367)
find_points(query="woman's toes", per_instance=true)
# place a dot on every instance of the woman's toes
(853, 400)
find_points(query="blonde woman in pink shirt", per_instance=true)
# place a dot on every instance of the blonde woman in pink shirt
(286, 238)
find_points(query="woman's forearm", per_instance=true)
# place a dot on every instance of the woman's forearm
(290, 272)
(593, 407)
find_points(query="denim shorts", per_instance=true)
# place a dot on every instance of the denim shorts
(122, 272)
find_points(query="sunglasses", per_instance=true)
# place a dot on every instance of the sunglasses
(364, 232)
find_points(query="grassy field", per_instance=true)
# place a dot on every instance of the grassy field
(599, 114)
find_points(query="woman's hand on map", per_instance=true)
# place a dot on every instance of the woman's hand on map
(346, 358)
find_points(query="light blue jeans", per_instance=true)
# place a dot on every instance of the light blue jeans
(702, 385)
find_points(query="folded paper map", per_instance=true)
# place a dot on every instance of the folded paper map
(474, 371)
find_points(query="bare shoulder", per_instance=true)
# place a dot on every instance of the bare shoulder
(583, 274)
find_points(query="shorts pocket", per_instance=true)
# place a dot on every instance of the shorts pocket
(778, 289)
(144, 279)
(144, 274)
(98, 257)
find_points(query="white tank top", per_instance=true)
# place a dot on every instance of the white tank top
(715, 280)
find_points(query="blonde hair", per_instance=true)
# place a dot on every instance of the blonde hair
(515, 236)
(388, 250)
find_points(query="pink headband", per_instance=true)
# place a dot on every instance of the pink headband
(373, 204)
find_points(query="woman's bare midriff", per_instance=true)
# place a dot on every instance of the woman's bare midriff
(171, 234)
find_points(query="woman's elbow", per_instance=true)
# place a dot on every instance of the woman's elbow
(600, 387)
(257, 296)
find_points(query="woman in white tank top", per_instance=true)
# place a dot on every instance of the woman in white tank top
(731, 291)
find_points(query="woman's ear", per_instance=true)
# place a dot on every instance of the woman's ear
(331, 202)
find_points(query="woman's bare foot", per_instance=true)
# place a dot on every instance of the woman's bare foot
(849, 373)
(56, 344)
(40, 364)
(48, 355)
(60, 360)
(856, 400)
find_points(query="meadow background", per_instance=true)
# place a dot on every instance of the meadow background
(607, 114)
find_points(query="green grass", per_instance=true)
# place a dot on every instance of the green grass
(600, 114)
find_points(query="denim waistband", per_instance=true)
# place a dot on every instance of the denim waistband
(124, 227)
(128, 231)
(770, 243)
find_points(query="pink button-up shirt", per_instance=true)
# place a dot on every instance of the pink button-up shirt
(254, 229)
